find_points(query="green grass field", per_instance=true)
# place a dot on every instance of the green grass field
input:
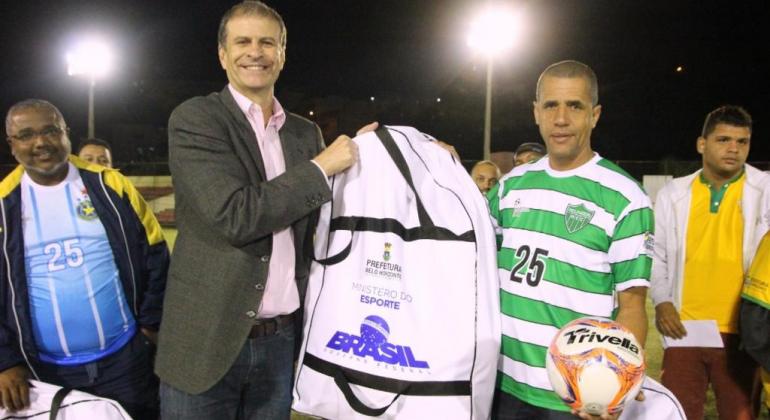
(654, 359)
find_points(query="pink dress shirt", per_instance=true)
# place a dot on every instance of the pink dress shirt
(281, 295)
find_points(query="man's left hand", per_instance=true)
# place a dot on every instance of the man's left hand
(449, 148)
(605, 416)
(367, 128)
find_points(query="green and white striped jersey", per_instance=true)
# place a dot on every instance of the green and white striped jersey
(569, 241)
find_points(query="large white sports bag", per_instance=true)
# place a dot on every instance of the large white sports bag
(402, 307)
(659, 404)
(52, 402)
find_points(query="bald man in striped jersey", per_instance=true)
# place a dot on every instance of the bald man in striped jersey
(576, 239)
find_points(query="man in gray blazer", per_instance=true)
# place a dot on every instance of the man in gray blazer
(249, 178)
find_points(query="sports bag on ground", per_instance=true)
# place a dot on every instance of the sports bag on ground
(52, 402)
(402, 307)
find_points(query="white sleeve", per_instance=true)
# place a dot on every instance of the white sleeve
(662, 287)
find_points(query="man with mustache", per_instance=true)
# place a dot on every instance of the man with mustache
(249, 178)
(82, 271)
(709, 224)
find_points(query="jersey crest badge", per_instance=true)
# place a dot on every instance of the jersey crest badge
(386, 253)
(86, 210)
(577, 217)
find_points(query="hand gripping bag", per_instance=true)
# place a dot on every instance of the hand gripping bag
(402, 308)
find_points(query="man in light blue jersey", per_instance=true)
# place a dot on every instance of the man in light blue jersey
(576, 238)
(82, 271)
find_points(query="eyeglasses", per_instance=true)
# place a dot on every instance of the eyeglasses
(49, 132)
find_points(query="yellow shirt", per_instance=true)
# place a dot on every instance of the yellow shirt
(757, 286)
(713, 268)
(757, 290)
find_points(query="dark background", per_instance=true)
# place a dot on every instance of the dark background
(406, 54)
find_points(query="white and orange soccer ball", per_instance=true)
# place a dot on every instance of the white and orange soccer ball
(595, 365)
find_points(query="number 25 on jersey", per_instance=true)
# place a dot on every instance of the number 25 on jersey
(63, 254)
(531, 265)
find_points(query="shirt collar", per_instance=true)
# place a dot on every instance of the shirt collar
(731, 181)
(245, 104)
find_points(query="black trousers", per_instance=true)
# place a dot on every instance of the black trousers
(508, 407)
(125, 376)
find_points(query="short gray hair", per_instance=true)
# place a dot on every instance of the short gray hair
(249, 8)
(40, 104)
(487, 162)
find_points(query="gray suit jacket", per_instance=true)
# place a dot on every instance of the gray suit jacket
(226, 213)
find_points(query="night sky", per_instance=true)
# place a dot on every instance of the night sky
(408, 53)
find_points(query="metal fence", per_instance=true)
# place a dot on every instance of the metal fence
(637, 168)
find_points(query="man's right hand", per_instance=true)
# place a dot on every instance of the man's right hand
(340, 155)
(14, 388)
(667, 321)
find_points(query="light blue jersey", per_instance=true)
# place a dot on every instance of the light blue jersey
(79, 312)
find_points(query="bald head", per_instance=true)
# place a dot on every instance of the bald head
(485, 174)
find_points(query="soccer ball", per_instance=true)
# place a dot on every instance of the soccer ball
(595, 365)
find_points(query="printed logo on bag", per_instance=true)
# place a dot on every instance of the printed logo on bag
(383, 268)
(577, 217)
(373, 343)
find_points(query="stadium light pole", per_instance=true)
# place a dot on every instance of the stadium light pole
(493, 32)
(93, 59)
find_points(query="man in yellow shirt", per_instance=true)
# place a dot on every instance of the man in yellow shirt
(708, 225)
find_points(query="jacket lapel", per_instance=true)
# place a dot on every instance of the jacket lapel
(245, 132)
(293, 150)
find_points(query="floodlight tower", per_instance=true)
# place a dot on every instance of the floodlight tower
(493, 32)
(93, 59)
